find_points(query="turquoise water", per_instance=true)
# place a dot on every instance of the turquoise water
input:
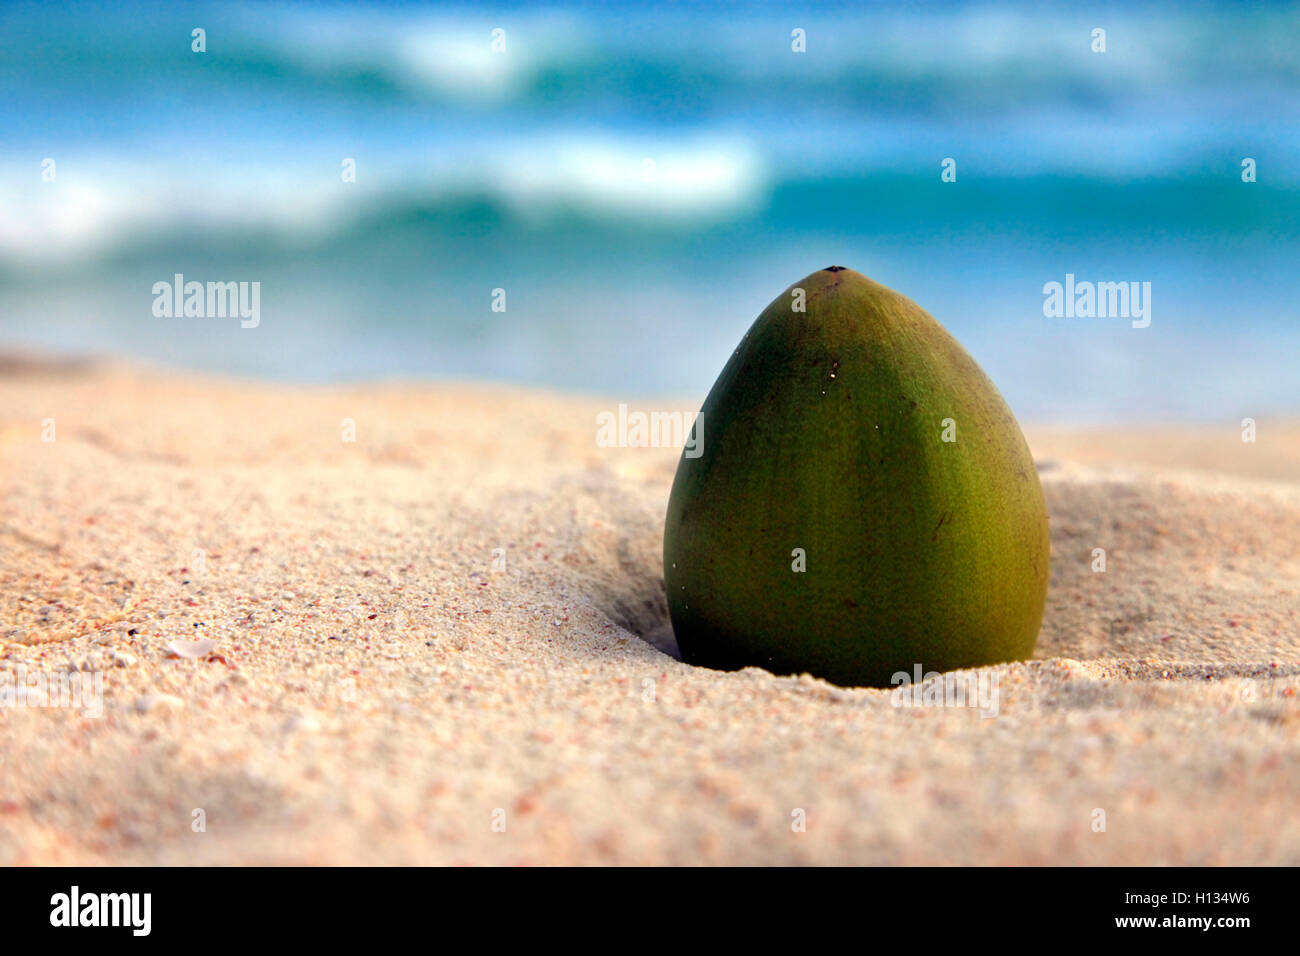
(641, 184)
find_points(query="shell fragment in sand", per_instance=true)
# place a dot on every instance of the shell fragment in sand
(192, 650)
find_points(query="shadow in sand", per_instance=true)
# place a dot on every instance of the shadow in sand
(638, 602)
(613, 553)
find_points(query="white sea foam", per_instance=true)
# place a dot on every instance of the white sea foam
(95, 204)
(426, 51)
(693, 180)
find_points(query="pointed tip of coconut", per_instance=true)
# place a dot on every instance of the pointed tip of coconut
(836, 276)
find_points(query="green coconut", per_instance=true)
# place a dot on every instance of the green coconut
(857, 499)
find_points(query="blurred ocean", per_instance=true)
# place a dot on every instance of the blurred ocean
(642, 183)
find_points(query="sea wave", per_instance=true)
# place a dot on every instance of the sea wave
(628, 115)
(960, 54)
(96, 205)
(945, 59)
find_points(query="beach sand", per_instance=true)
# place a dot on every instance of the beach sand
(383, 689)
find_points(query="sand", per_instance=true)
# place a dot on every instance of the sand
(381, 688)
